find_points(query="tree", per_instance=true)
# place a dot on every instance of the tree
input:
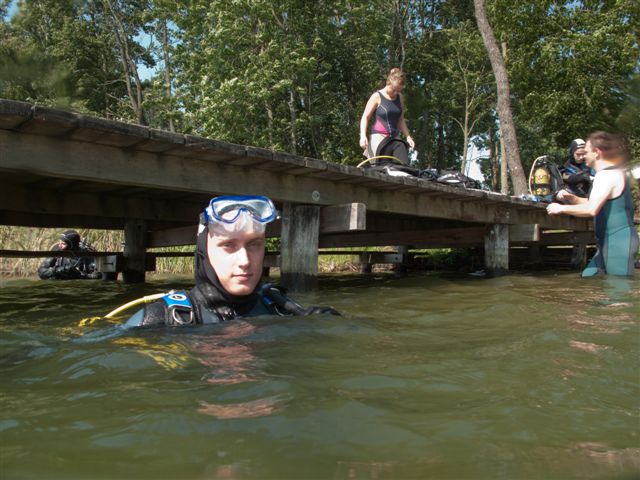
(569, 62)
(467, 69)
(507, 125)
(125, 19)
(295, 75)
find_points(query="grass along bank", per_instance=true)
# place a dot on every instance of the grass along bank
(38, 239)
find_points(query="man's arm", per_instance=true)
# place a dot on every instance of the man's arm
(46, 270)
(573, 178)
(569, 198)
(603, 185)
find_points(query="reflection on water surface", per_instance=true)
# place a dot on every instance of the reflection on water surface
(425, 376)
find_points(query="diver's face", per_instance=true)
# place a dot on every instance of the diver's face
(579, 155)
(237, 259)
(62, 245)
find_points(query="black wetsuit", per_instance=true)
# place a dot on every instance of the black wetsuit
(209, 302)
(395, 147)
(68, 268)
(577, 178)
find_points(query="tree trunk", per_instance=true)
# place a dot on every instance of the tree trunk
(292, 112)
(398, 24)
(504, 171)
(128, 65)
(269, 111)
(495, 165)
(465, 135)
(440, 147)
(167, 74)
(504, 104)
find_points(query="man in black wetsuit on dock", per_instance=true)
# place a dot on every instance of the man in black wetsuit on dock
(230, 250)
(576, 174)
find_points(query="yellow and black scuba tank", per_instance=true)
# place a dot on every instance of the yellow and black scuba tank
(545, 180)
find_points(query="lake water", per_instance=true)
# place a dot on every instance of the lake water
(426, 376)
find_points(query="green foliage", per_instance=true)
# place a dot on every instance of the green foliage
(568, 64)
(295, 75)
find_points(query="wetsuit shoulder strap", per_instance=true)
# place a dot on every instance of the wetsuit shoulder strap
(179, 309)
(275, 298)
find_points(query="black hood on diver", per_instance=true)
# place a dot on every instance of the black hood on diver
(71, 238)
(575, 145)
(208, 283)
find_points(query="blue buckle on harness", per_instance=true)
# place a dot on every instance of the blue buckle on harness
(179, 302)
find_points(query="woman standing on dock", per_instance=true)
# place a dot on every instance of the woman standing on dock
(610, 203)
(388, 106)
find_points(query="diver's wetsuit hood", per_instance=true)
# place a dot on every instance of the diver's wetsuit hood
(208, 288)
(575, 145)
(72, 239)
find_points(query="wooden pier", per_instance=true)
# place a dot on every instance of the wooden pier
(61, 169)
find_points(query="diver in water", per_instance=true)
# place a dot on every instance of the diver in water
(610, 202)
(576, 174)
(229, 255)
(69, 268)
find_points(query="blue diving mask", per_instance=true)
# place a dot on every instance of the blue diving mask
(227, 209)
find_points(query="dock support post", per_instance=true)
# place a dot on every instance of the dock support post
(134, 251)
(365, 265)
(299, 247)
(496, 250)
(579, 256)
(403, 266)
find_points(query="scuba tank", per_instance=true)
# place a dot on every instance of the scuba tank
(545, 180)
(541, 182)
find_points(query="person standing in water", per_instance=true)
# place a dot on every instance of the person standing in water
(75, 267)
(388, 106)
(610, 203)
(229, 255)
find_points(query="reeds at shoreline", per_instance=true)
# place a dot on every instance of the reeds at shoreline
(42, 239)
(38, 239)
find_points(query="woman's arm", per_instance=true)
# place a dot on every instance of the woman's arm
(403, 126)
(603, 186)
(372, 104)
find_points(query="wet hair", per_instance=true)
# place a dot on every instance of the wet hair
(611, 145)
(395, 75)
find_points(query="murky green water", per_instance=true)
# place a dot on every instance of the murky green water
(424, 377)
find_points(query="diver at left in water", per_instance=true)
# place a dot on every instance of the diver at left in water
(229, 255)
(69, 268)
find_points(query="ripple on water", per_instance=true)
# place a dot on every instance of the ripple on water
(425, 376)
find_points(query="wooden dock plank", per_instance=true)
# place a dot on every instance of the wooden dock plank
(84, 149)
(161, 141)
(83, 161)
(49, 121)
(109, 132)
(13, 113)
(204, 148)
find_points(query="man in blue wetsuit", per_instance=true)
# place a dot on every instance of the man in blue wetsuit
(610, 202)
(229, 256)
